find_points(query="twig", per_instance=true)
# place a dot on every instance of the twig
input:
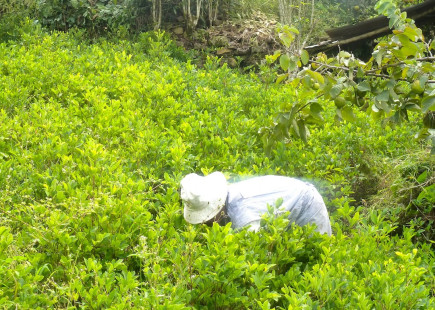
(305, 105)
(329, 66)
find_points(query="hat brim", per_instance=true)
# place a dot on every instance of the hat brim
(202, 216)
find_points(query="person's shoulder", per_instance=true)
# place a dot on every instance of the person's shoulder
(280, 179)
(269, 183)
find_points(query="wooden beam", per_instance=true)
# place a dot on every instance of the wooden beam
(373, 28)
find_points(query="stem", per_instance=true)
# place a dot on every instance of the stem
(305, 105)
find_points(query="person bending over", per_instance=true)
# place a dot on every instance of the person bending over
(210, 198)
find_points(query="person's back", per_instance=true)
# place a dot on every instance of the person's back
(248, 201)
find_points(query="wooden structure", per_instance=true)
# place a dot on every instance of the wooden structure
(370, 29)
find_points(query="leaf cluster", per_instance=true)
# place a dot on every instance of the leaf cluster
(398, 79)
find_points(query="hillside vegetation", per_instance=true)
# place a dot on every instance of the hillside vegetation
(94, 139)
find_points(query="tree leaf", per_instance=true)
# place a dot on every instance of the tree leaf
(383, 96)
(428, 103)
(316, 110)
(364, 86)
(293, 64)
(295, 127)
(382, 7)
(335, 90)
(287, 37)
(315, 107)
(281, 78)
(378, 56)
(308, 83)
(347, 114)
(412, 33)
(316, 76)
(284, 61)
(413, 107)
(393, 20)
(293, 29)
(303, 131)
(305, 57)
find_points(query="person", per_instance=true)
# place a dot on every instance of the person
(210, 198)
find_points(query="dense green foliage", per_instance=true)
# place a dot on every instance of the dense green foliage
(94, 141)
(398, 80)
(96, 16)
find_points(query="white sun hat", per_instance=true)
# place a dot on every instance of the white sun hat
(203, 196)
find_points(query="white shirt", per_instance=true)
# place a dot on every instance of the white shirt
(248, 201)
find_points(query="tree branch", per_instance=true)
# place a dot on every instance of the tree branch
(372, 72)
(400, 63)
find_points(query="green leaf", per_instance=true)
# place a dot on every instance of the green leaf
(287, 38)
(393, 21)
(412, 33)
(284, 61)
(383, 105)
(423, 80)
(422, 177)
(382, 7)
(378, 56)
(293, 29)
(413, 107)
(428, 67)
(295, 127)
(347, 114)
(293, 65)
(422, 134)
(281, 78)
(335, 90)
(316, 110)
(427, 193)
(383, 96)
(305, 57)
(344, 54)
(307, 82)
(316, 76)
(428, 103)
(364, 86)
(408, 49)
(303, 131)
(405, 72)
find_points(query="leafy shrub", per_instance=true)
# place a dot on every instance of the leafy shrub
(95, 16)
(12, 15)
(409, 186)
(94, 141)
